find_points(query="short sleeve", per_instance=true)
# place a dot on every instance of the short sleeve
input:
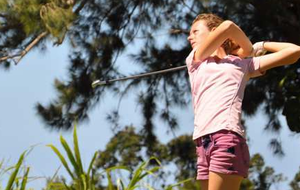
(253, 67)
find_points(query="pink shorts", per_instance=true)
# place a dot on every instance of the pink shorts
(223, 152)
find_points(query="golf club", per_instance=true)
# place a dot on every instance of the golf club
(104, 82)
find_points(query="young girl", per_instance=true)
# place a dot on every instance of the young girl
(218, 80)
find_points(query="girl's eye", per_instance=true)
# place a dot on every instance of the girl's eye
(196, 31)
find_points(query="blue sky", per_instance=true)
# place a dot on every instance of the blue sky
(32, 81)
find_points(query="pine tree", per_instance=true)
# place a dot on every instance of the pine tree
(295, 183)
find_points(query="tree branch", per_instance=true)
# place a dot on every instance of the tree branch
(80, 7)
(26, 50)
(36, 40)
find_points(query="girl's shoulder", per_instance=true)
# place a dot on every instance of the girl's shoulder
(233, 58)
(237, 60)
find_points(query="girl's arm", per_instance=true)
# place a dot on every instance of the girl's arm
(226, 30)
(284, 54)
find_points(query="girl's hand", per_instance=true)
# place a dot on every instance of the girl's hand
(258, 49)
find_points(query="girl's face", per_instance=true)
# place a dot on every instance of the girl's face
(198, 33)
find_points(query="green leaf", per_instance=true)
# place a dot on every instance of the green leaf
(14, 174)
(62, 159)
(170, 187)
(55, 174)
(149, 187)
(89, 175)
(134, 187)
(92, 163)
(138, 176)
(120, 185)
(7, 169)
(67, 187)
(76, 149)
(83, 180)
(70, 155)
(149, 172)
(24, 181)
(110, 183)
(282, 81)
(91, 181)
(118, 168)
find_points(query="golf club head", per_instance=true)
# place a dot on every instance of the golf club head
(98, 83)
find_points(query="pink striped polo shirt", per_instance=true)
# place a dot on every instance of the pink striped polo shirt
(218, 91)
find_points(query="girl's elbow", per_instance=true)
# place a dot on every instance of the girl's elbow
(227, 25)
(295, 53)
(298, 51)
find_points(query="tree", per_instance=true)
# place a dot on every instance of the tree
(295, 183)
(99, 31)
(261, 177)
(27, 24)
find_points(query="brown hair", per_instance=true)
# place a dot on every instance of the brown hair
(213, 21)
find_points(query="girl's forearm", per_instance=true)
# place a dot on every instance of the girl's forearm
(277, 46)
(226, 30)
(214, 40)
(283, 54)
(239, 37)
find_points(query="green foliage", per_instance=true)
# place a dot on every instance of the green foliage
(140, 173)
(261, 177)
(127, 147)
(145, 169)
(295, 183)
(181, 151)
(28, 13)
(86, 180)
(37, 15)
(14, 181)
(123, 149)
(291, 113)
(81, 179)
(27, 24)
(3, 5)
(57, 19)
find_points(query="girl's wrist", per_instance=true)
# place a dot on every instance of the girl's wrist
(259, 49)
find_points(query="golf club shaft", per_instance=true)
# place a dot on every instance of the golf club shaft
(104, 82)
